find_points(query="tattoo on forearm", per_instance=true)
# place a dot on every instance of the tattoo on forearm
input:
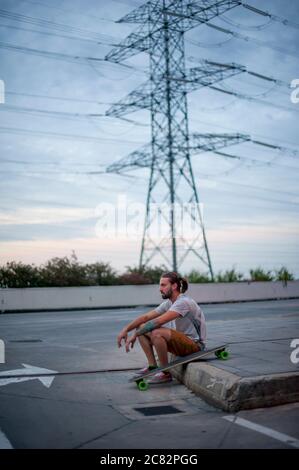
(149, 326)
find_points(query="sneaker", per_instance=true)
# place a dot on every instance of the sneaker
(144, 371)
(160, 378)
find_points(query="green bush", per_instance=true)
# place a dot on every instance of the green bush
(18, 274)
(283, 275)
(142, 275)
(133, 278)
(101, 274)
(259, 274)
(197, 277)
(66, 272)
(229, 276)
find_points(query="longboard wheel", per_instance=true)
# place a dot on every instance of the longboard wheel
(142, 385)
(217, 353)
(224, 355)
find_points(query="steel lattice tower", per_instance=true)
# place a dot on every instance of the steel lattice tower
(171, 183)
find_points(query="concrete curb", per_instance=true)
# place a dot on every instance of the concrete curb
(232, 393)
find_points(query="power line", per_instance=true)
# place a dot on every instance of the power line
(243, 26)
(243, 96)
(274, 87)
(94, 17)
(276, 82)
(53, 25)
(273, 17)
(261, 76)
(53, 163)
(259, 188)
(50, 55)
(63, 114)
(45, 112)
(260, 198)
(20, 131)
(243, 132)
(90, 173)
(75, 59)
(243, 160)
(97, 164)
(59, 98)
(247, 39)
(48, 33)
(251, 160)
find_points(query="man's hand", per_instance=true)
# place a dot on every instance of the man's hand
(123, 335)
(131, 340)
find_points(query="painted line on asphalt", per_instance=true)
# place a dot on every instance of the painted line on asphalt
(289, 440)
(4, 442)
(56, 374)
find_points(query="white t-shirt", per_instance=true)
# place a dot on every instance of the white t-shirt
(191, 321)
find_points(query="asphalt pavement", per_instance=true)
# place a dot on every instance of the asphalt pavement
(65, 384)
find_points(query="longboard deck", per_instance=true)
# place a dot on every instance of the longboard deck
(181, 360)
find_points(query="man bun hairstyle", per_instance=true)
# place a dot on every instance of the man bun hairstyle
(175, 278)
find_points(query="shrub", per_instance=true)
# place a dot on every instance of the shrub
(259, 274)
(196, 277)
(133, 278)
(283, 275)
(101, 274)
(18, 274)
(229, 276)
(143, 274)
(66, 272)
(63, 272)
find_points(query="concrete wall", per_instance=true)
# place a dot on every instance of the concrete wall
(60, 298)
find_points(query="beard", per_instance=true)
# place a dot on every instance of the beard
(167, 294)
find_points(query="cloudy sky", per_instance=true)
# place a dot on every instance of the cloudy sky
(56, 141)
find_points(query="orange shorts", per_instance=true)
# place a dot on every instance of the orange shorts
(181, 345)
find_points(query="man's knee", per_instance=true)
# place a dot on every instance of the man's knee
(156, 333)
(159, 333)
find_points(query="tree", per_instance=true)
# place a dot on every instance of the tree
(101, 274)
(18, 274)
(63, 272)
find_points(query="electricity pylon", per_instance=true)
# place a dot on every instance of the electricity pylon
(172, 190)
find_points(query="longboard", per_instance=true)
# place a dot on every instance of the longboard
(219, 351)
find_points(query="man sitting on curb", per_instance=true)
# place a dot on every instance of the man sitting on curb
(154, 333)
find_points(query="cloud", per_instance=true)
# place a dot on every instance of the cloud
(40, 215)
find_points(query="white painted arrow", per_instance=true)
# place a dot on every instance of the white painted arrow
(29, 371)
